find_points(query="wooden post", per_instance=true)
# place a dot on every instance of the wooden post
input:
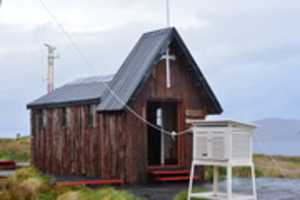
(229, 182)
(191, 180)
(216, 178)
(253, 182)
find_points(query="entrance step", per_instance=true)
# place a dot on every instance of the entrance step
(176, 178)
(164, 167)
(170, 172)
(7, 165)
(167, 173)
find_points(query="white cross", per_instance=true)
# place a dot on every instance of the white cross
(168, 57)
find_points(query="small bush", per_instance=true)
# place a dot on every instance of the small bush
(25, 173)
(29, 184)
(26, 184)
(32, 187)
(72, 195)
(101, 194)
(5, 195)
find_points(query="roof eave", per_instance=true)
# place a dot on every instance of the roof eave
(63, 104)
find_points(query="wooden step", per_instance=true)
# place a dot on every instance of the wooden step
(7, 164)
(161, 167)
(91, 182)
(176, 178)
(169, 172)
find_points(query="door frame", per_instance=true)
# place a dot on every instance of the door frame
(180, 125)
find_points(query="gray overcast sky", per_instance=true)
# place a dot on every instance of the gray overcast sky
(248, 50)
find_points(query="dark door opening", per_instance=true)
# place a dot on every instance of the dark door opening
(162, 148)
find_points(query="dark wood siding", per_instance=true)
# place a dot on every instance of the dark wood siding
(69, 150)
(193, 104)
(116, 147)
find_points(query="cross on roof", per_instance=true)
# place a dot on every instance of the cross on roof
(168, 57)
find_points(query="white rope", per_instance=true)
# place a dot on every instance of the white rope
(78, 50)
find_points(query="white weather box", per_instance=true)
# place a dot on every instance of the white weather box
(226, 144)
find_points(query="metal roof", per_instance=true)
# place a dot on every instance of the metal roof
(134, 71)
(138, 65)
(148, 49)
(87, 89)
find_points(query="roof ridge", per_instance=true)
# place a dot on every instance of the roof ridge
(158, 31)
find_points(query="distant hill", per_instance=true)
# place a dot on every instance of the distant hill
(278, 136)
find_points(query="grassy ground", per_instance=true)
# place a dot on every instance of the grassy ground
(278, 166)
(15, 149)
(19, 150)
(29, 184)
(266, 166)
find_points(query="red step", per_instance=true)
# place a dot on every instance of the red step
(176, 178)
(169, 172)
(7, 164)
(91, 182)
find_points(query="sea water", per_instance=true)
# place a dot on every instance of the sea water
(284, 148)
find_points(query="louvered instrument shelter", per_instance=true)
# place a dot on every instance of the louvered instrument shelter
(222, 143)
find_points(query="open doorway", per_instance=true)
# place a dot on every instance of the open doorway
(162, 148)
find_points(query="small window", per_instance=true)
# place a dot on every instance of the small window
(64, 120)
(45, 118)
(91, 116)
(159, 117)
(39, 118)
(42, 118)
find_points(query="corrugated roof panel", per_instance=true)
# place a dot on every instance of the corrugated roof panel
(132, 73)
(79, 90)
(134, 69)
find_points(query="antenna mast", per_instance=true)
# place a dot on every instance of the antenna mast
(168, 12)
(50, 76)
(167, 56)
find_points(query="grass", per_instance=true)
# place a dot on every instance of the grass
(278, 166)
(265, 166)
(29, 184)
(15, 149)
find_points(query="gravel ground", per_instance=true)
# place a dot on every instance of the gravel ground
(267, 189)
(158, 191)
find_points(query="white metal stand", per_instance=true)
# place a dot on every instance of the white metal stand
(222, 143)
(215, 194)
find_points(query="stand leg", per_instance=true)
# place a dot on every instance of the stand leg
(253, 181)
(229, 182)
(191, 181)
(216, 178)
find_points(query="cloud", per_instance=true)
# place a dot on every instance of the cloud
(248, 50)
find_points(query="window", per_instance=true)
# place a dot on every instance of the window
(42, 118)
(64, 120)
(91, 116)
(39, 118)
(159, 117)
